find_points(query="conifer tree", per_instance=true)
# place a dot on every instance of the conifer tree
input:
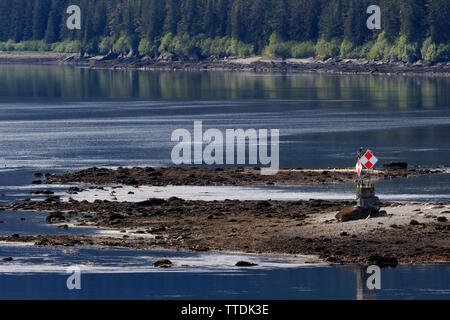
(413, 17)
(440, 21)
(41, 11)
(331, 22)
(355, 22)
(390, 13)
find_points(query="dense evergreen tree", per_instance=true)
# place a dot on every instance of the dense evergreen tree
(312, 9)
(258, 30)
(331, 21)
(355, 28)
(99, 19)
(6, 31)
(18, 20)
(41, 12)
(413, 19)
(440, 20)
(279, 18)
(237, 29)
(53, 24)
(222, 15)
(390, 11)
(172, 16)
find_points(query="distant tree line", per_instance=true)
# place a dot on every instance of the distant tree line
(411, 29)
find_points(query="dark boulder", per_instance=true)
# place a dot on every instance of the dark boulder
(163, 263)
(52, 199)
(175, 199)
(152, 202)
(382, 262)
(245, 264)
(74, 190)
(353, 213)
(55, 217)
(396, 166)
(263, 203)
(158, 230)
(43, 192)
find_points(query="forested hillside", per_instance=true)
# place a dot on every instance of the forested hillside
(411, 29)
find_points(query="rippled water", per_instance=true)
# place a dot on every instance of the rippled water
(70, 118)
(56, 118)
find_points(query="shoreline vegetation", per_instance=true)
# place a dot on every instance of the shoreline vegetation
(193, 31)
(405, 233)
(197, 48)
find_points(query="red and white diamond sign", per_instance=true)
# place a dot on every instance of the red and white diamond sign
(369, 160)
(358, 167)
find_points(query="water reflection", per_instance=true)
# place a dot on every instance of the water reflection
(54, 82)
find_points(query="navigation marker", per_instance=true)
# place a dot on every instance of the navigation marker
(358, 167)
(369, 160)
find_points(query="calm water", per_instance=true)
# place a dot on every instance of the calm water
(60, 118)
(40, 273)
(65, 117)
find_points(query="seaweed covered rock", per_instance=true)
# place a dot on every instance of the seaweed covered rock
(353, 213)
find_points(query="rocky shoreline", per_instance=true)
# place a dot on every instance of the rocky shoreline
(405, 233)
(256, 64)
(270, 227)
(192, 176)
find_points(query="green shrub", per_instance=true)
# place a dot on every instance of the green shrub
(381, 50)
(277, 48)
(435, 53)
(59, 47)
(146, 47)
(10, 45)
(428, 50)
(326, 49)
(125, 44)
(68, 47)
(442, 53)
(122, 45)
(194, 47)
(220, 47)
(404, 51)
(91, 46)
(364, 50)
(105, 45)
(303, 50)
(35, 45)
(245, 50)
(205, 46)
(347, 50)
(166, 42)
